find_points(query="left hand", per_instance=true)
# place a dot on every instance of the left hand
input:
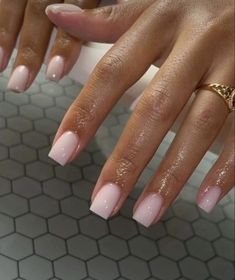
(193, 41)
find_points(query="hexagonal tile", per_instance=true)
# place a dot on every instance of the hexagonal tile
(9, 138)
(26, 187)
(55, 113)
(23, 154)
(91, 172)
(7, 109)
(200, 248)
(48, 127)
(229, 211)
(83, 159)
(13, 205)
(8, 269)
(113, 247)
(102, 268)
(6, 227)
(16, 246)
(179, 229)
(185, 211)
(224, 248)
(69, 173)
(49, 209)
(50, 247)
(221, 269)
(35, 139)
(16, 99)
(5, 186)
(155, 232)
(123, 227)
(19, 124)
(72, 91)
(82, 247)
(87, 225)
(206, 229)
(227, 229)
(31, 112)
(41, 100)
(3, 152)
(74, 207)
(63, 226)
(172, 248)
(35, 268)
(63, 102)
(194, 269)
(56, 188)
(52, 89)
(11, 169)
(70, 268)
(31, 225)
(83, 189)
(39, 171)
(143, 248)
(164, 269)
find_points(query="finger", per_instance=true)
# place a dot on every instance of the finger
(66, 48)
(35, 35)
(11, 17)
(220, 179)
(153, 116)
(105, 86)
(105, 24)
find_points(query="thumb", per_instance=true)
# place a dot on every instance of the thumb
(104, 24)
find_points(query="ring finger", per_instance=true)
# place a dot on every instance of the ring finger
(11, 17)
(31, 50)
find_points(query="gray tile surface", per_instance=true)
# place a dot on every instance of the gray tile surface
(46, 229)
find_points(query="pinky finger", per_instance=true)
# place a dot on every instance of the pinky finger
(220, 179)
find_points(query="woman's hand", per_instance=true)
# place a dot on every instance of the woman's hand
(193, 41)
(30, 17)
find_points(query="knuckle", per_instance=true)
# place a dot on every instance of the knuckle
(110, 67)
(125, 168)
(158, 105)
(204, 121)
(81, 116)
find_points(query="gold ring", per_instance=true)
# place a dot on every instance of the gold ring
(226, 92)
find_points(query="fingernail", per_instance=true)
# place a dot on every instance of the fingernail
(148, 209)
(106, 200)
(64, 8)
(210, 199)
(64, 147)
(1, 58)
(55, 68)
(19, 79)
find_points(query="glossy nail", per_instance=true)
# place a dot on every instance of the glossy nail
(64, 147)
(210, 198)
(19, 78)
(1, 58)
(106, 200)
(62, 8)
(148, 209)
(55, 68)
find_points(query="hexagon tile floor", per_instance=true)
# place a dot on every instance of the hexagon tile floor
(46, 229)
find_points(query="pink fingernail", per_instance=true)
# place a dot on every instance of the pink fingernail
(106, 200)
(148, 209)
(55, 68)
(210, 198)
(64, 147)
(1, 58)
(64, 8)
(19, 79)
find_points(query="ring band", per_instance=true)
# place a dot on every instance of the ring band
(226, 92)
